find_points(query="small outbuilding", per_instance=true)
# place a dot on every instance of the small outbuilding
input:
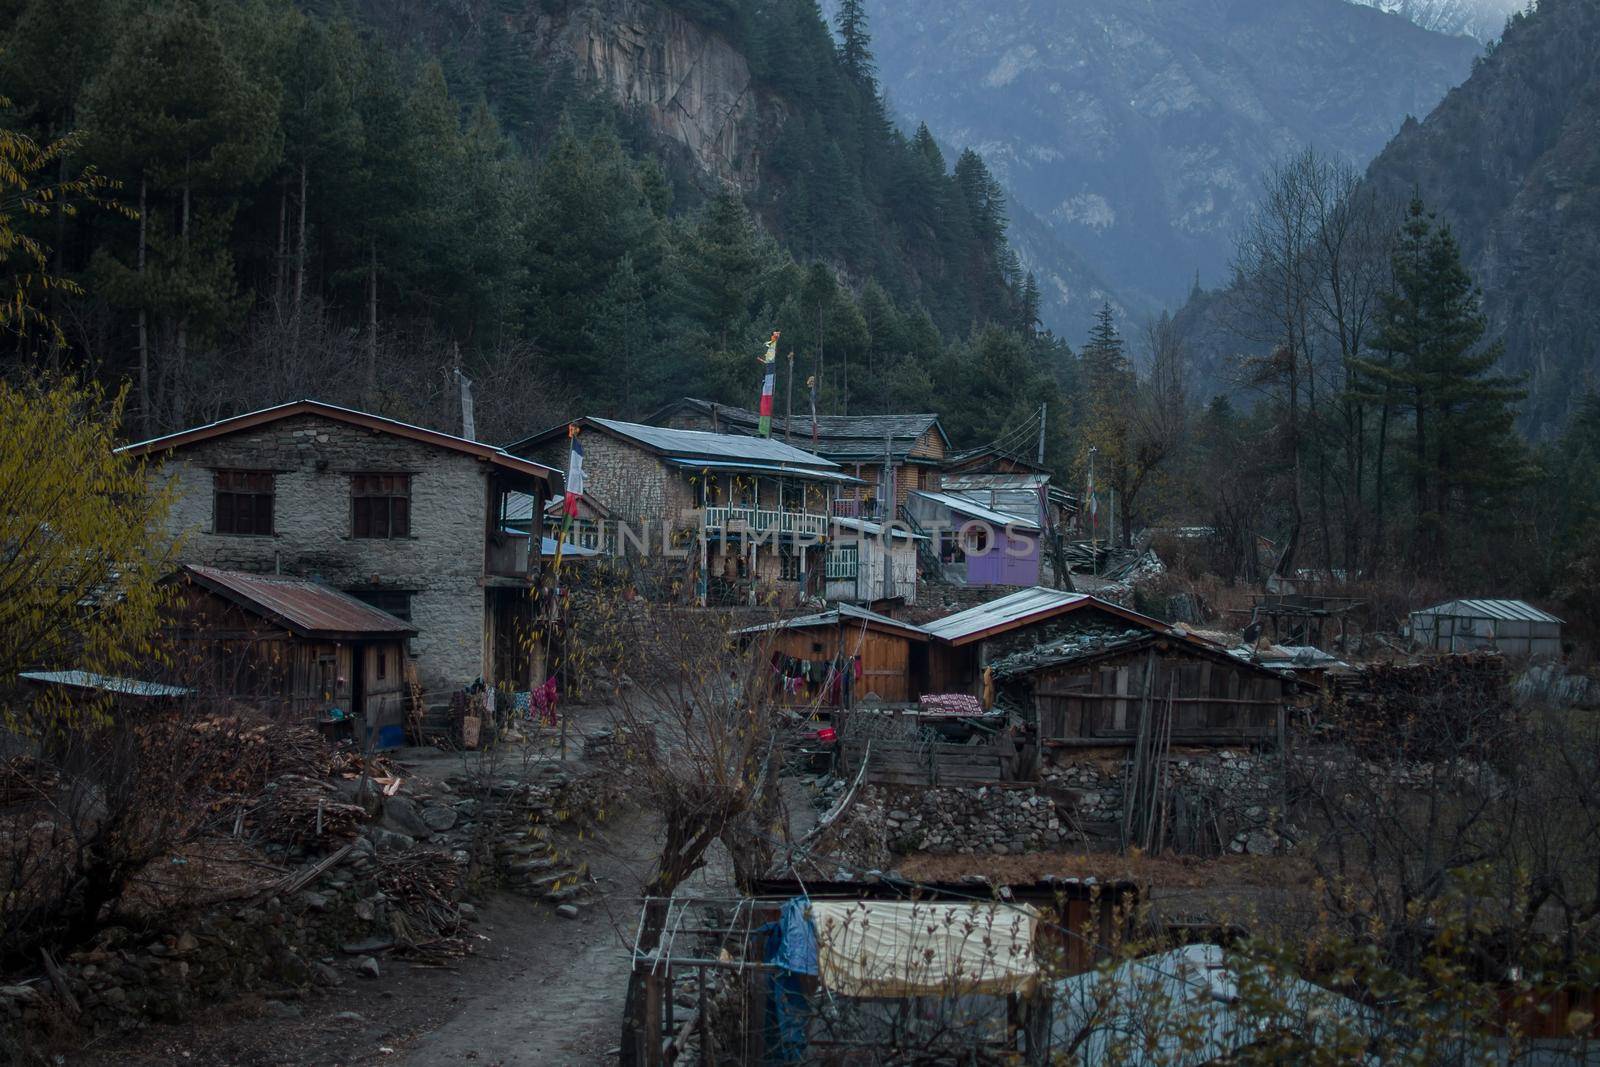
(293, 647)
(1090, 672)
(886, 658)
(1514, 627)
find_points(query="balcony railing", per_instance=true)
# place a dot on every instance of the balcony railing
(849, 508)
(761, 520)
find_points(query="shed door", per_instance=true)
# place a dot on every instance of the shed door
(883, 668)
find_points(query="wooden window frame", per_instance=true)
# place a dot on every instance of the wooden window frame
(380, 506)
(235, 485)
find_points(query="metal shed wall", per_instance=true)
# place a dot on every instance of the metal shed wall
(1464, 633)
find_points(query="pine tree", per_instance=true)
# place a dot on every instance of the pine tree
(1464, 451)
(855, 42)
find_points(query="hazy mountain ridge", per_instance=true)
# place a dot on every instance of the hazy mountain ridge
(1139, 132)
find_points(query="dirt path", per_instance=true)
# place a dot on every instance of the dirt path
(553, 989)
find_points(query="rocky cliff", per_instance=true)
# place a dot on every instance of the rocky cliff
(691, 84)
(1139, 132)
(1512, 160)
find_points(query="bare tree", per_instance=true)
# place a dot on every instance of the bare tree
(694, 714)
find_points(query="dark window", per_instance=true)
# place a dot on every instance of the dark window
(381, 505)
(788, 565)
(242, 502)
(396, 602)
(383, 665)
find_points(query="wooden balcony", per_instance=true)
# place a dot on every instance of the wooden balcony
(762, 520)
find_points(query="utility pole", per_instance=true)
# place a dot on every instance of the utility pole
(886, 535)
(1040, 459)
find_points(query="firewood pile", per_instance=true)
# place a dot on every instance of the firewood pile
(1435, 708)
(298, 810)
(424, 892)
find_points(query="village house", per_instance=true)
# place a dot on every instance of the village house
(979, 543)
(911, 447)
(405, 519)
(751, 513)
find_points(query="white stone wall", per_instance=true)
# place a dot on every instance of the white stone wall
(627, 481)
(441, 562)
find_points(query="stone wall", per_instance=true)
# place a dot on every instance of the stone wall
(626, 480)
(440, 563)
(1241, 791)
(1074, 805)
(889, 820)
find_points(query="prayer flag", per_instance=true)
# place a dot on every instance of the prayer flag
(574, 474)
(769, 359)
(574, 492)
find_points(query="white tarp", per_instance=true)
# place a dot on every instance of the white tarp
(874, 948)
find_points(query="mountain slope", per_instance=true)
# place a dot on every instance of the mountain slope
(1139, 131)
(1512, 160)
(1483, 19)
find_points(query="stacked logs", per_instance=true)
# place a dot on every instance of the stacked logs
(1436, 708)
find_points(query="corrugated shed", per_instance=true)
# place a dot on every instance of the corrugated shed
(300, 605)
(1472, 608)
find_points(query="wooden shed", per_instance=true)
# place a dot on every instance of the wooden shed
(1084, 666)
(292, 647)
(807, 650)
(1100, 693)
(964, 643)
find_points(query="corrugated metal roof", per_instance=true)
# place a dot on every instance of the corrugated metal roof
(875, 529)
(1017, 607)
(765, 468)
(994, 481)
(972, 509)
(1208, 995)
(854, 434)
(832, 617)
(700, 443)
(1472, 608)
(306, 608)
(106, 683)
(547, 549)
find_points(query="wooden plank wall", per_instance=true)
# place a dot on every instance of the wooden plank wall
(885, 659)
(921, 764)
(1213, 702)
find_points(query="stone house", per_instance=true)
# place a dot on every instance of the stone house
(914, 448)
(406, 519)
(751, 513)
